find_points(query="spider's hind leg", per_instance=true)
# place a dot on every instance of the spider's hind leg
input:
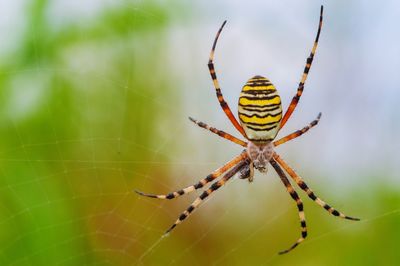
(247, 171)
(203, 196)
(300, 182)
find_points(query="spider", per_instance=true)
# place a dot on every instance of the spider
(260, 116)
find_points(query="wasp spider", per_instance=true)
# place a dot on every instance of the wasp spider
(260, 116)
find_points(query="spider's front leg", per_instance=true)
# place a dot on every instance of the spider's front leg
(247, 171)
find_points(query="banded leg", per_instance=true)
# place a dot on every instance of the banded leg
(217, 173)
(220, 97)
(297, 133)
(300, 182)
(299, 203)
(215, 186)
(300, 88)
(219, 132)
(247, 171)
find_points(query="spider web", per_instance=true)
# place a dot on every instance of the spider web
(82, 131)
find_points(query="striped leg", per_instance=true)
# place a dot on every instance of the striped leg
(221, 99)
(215, 186)
(297, 133)
(299, 203)
(299, 181)
(219, 132)
(300, 88)
(202, 182)
(247, 172)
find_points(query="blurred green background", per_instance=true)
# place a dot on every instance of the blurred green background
(94, 102)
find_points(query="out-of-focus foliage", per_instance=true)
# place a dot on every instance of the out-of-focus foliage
(76, 99)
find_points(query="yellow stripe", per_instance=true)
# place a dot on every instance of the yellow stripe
(260, 121)
(261, 103)
(265, 129)
(269, 87)
(258, 79)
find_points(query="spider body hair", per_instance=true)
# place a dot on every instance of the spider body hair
(260, 154)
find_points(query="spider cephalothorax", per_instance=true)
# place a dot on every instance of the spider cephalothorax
(260, 116)
(260, 154)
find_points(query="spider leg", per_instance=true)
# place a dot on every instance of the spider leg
(201, 183)
(297, 133)
(215, 186)
(219, 132)
(247, 172)
(300, 182)
(300, 88)
(299, 203)
(224, 105)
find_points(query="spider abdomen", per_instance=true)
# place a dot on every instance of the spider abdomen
(260, 109)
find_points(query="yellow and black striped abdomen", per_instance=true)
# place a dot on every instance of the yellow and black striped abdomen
(260, 109)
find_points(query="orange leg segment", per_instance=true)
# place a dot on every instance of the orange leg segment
(224, 105)
(217, 173)
(297, 133)
(219, 132)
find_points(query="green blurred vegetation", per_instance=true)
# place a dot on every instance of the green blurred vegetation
(72, 97)
(84, 106)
